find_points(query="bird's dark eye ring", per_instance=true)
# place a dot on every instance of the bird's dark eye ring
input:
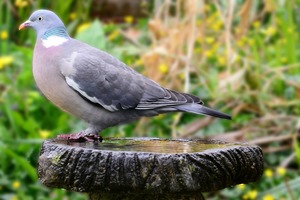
(40, 18)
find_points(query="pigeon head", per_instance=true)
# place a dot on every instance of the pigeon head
(42, 21)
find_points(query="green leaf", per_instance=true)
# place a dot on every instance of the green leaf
(93, 35)
(297, 149)
(31, 171)
(282, 188)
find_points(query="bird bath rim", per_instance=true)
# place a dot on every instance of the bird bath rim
(152, 145)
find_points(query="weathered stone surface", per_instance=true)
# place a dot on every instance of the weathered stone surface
(147, 166)
(145, 196)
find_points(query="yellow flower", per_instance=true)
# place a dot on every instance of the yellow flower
(83, 27)
(241, 42)
(245, 196)
(181, 76)
(44, 134)
(21, 3)
(139, 62)
(268, 173)
(163, 68)
(283, 60)
(215, 46)
(3, 35)
(176, 117)
(221, 60)
(5, 60)
(113, 35)
(14, 198)
(159, 117)
(256, 24)
(128, 19)
(241, 186)
(208, 53)
(251, 41)
(237, 30)
(269, 31)
(236, 58)
(281, 171)
(16, 184)
(252, 194)
(217, 25)
(73, 15)
(209, 40)
(268, 197)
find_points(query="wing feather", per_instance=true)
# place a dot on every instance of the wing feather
(102, 79)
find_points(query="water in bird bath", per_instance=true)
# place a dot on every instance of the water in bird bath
(151, 145)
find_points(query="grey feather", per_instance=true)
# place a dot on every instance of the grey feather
(203, 110)
(116, 87)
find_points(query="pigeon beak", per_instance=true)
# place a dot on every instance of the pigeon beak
(25, 24)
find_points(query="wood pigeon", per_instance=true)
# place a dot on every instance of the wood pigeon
(95, 86)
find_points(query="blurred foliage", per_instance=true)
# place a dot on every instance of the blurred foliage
(241, 57)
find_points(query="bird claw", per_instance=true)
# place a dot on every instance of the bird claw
(80, 137)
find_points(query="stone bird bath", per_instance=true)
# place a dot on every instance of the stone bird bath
(147, 168)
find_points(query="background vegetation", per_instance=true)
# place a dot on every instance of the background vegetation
(241, 57)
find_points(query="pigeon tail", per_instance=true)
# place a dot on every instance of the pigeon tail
(200, 109)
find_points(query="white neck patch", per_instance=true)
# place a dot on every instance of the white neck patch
(53, 41)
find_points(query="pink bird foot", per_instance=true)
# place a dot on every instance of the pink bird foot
(81, 137)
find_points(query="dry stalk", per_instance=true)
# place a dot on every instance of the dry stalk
(245, 17)
(285, 163)
(272, 150)
(270, 139)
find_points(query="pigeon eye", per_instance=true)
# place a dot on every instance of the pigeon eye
(40, 18)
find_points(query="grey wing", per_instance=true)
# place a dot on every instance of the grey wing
(103, 79)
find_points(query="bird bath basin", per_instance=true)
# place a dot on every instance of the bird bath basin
(148, 168)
